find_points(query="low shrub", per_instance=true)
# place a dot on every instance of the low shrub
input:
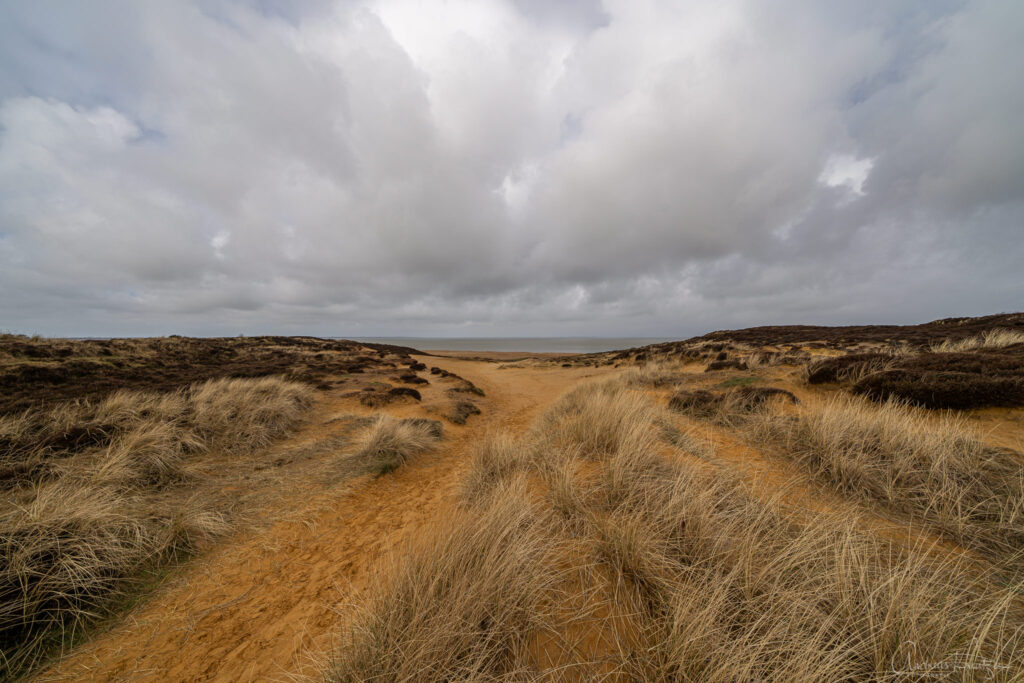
(721, 405)
(978, 377)
(842, 368)
(696, 403)
(372, 397)
(733, 364)
(461, 411)
(943, 389)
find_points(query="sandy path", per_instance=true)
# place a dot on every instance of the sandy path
(266, 606)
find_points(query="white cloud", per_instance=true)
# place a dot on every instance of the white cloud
(845, 170)
(506, 167)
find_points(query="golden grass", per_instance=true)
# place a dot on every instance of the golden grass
(595, 420)
(494, 459)
(932, 468)
(246, 414)
(93, 493)
(653, 374)
(993, 339)
(687, 575)
(462, 605)
(390, 442)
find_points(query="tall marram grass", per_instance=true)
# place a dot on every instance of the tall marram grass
(688, 576)
(93, 493)
(462, 605)
(929, 467)
(390, 442)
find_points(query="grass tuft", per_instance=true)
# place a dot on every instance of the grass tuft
(390, 442)
(95, 494)
(464, 604)
(931, 468)
(993, 339)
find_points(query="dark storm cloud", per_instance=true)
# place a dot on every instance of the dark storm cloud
(461, 168)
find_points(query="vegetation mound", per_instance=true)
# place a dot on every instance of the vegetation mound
(36, 372)
(94, 492)
(742, 399)
(972, 379)
(978, 372)
(389, 442)
(851, 366)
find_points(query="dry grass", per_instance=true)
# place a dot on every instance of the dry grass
(687, 576)
(993, 339)
(930, 468)
(390, 442)
(851, 368)
(494, 460)
(463, 605)
(654, 374)
(93, 494)
(246, 414)
(595, 420)
(731, 589)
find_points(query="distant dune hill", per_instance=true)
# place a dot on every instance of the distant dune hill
(957, 363)
(845, 335)
(36, 370)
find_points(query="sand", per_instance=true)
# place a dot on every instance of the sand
(268, 605)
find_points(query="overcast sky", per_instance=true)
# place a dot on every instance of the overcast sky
(495, 168)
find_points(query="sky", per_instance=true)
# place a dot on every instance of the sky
(507, 167)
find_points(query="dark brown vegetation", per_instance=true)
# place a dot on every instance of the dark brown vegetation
(852, 366)
(973, 378)
(970, 379)
(461, 410)
(378, 395)
(845, 336)
(788, 344)
(743, 399)
(731, 364)
(36, 371)
(695, 402)
(461, 384)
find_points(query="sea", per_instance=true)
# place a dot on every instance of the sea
(525, 344)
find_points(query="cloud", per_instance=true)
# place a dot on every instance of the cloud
(490, 167)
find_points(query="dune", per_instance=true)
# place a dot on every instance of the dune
(627, 515)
